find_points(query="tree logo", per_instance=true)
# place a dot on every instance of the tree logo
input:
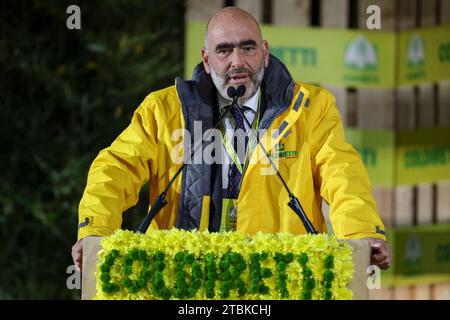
(413, 250)
(361, 61)
(416, 51)
(415, 57)
(361, 54)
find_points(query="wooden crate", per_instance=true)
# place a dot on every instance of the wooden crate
(375, 109)
(422, 106)
(441, 291)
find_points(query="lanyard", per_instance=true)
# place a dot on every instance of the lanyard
(250, 146)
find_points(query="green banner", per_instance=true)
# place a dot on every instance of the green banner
(420, 255)
(377, 150)
(403, 158)
(351, 58)
(423, 156)
(357, 58)
(421, 250)
(424, 55)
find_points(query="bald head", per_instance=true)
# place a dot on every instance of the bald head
(235, 53)
(227, 16)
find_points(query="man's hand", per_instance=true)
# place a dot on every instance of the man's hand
(77, 254)
(380, 253)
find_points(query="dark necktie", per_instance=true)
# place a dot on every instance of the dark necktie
(234, 176)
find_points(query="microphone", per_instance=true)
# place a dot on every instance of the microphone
(234, 93)
(294, 203)
(160, 201)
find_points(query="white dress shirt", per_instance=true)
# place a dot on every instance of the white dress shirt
(228, 123)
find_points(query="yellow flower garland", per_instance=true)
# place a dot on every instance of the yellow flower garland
(178, 264)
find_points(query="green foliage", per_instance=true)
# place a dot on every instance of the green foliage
(64, 96)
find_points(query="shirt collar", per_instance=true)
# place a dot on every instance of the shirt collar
(251, 103)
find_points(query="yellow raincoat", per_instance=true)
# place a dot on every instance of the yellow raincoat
(309, 150)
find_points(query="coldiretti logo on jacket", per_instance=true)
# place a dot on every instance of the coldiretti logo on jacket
(279, 152)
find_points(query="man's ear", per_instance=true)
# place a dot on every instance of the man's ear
(265, 46)
(205, 60)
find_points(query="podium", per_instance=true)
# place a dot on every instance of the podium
(358, 284)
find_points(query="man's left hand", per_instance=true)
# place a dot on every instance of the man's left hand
(380, 253)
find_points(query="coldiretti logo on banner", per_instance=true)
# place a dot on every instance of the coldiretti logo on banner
(361, 61)
(424, 55)
(416, 51)
(415, 58)
(348, 57)
(422, 250)
(404, 158)
(340, 57)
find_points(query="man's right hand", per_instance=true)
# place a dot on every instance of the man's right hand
(77, 254)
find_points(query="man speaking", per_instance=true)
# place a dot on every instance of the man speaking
(299, 127)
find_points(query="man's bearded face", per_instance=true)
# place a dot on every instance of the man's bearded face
(234, 53)
(238, 76)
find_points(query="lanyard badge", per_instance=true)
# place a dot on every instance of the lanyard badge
(250, 146)
(229, 206)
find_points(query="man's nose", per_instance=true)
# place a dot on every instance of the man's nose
(237, 59)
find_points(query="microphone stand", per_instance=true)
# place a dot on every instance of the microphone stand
(160, 201)
(294, 203)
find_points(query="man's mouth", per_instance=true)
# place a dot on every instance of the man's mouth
(239, 78)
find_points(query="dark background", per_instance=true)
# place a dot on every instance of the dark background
(64, 96)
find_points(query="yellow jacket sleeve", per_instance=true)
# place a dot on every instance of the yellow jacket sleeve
(343, 179)
(117, 174)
